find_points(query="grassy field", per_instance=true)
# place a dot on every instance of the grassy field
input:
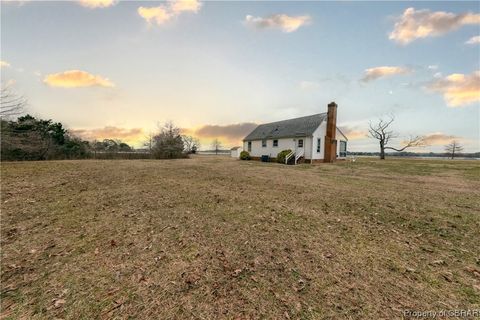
(212, 237)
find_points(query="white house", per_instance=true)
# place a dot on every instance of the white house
(235, 152)
(314, 138)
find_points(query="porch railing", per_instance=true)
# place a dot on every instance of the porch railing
(288, 156)
(299, 155)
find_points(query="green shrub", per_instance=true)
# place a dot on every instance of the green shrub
(244, 155)
(281, 155)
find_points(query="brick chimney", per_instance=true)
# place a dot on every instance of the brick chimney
(330, 140)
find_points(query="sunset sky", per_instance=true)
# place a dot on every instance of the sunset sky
(117, 68)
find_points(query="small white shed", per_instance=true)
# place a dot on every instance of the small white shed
(235, 152)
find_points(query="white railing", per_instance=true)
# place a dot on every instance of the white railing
(288, 156)
(299, 155)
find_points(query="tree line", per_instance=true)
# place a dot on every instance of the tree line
(30, 138)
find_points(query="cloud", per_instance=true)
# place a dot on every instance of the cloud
(309, 85)
(97, 3)
(4, 64)
(416, 24)
(232, 133)
(473, 40)
(384, 71)
(278, 21)
(163, 13)
(76, 79)
(432, 67)
(353, 133)
(438, 138)
(109, 132)
(458, 89)
(11, 82)
(185, 5)
(157, 14)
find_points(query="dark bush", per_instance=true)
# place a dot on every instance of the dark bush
(282, 154)
(244, 155)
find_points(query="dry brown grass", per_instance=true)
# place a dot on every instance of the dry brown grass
(212, 237)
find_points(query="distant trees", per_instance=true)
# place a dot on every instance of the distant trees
(11, 104)
(168, 143)
(380, 131)
(453, 148)
(191, 144)
(216, 145)
(109, 146)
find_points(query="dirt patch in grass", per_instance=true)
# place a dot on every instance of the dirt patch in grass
(212, 237)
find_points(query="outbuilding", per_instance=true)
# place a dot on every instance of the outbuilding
(235, 152)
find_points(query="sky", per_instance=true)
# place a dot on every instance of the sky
(118, 69)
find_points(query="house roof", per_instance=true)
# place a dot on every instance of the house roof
(298, 127)
(235, 148)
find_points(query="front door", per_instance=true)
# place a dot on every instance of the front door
(299, 146)
(343, 149)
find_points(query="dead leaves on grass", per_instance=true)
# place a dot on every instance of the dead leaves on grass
(57, 303)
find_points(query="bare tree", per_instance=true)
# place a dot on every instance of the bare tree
(453, 147)
(191, 144)
(381, 132)
(149, 141)
(216, 145)
(11, 104)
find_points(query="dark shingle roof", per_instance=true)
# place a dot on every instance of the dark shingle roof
(298, 127)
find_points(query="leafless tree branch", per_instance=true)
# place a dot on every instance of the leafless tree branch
(11, 104)
(380, 131)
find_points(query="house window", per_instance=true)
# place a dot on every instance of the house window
(275, 143)
(264, 143)
(318, 145)
(343, 148)
(249, 146)
(300, 143)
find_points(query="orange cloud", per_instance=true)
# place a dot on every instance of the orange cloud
(438, 138)
(163, 13)
(128, 135)
(415, 24)
(354, 133)
(230, 133)
(76, 79)
(185, 5)
(278, 21)
(458, 89)
(97, 3)
(384, 71)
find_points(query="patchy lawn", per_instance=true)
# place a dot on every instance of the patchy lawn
(212, 237)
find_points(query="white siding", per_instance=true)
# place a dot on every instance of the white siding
(309, 144)
(270, 150)
(236, 153)
(319, 134)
